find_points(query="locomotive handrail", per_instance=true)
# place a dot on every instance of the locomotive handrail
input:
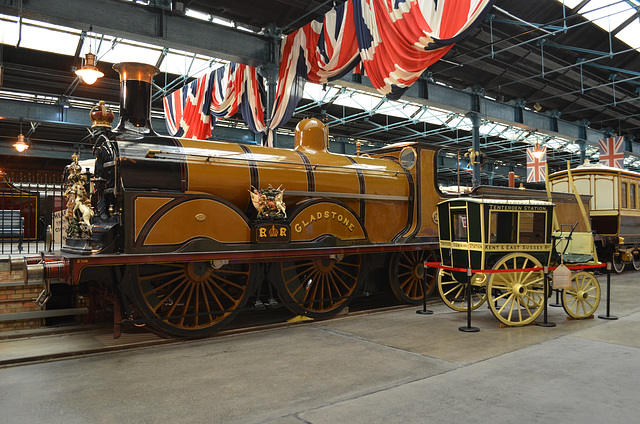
(348, 195)
(497, 271)
(154, 153)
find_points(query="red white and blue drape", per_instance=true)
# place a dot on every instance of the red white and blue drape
(536, 165)
(612, 152)
(394, 41)
(192, 110)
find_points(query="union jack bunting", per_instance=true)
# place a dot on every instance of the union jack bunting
(192, 110)
(535, 166)
(394, 41)
(173, 107)
(612, 152)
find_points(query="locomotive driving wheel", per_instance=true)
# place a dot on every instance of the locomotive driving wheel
(516, 298)
(454, 293)
(191, 298)
(319, 288)
(583, 298)
(407, 273)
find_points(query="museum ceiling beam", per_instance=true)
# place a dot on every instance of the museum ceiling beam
(147, 24)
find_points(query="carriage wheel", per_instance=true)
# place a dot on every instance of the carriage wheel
(617, 263)
(583, 298)
(319, 288)
(454, 293)
(191, 298)
(636, 261)
(516, 298)
(407, 272)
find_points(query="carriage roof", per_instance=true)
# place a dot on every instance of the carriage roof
(488, 201)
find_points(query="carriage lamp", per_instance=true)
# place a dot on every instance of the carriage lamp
(538, 152)
(89, 73)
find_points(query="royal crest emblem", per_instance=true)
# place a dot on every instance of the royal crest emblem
(268, 202)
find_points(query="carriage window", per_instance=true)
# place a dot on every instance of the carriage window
(503, 227)
(623, 195)
(632, 196)
(459, 221)
(532, 227)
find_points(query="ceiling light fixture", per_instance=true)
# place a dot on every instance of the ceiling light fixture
(89, 73)
(538, 151)
(21, 145)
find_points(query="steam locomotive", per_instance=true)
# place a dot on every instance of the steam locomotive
(186, 231)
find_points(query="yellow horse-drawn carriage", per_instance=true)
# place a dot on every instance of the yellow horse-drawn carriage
(506, 244)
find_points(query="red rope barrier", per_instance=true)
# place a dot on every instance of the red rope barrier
(495, 271)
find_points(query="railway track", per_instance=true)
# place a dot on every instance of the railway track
(80, 341)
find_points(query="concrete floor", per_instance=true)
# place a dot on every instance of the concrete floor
(390, 367)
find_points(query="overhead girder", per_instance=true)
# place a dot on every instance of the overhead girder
(150, 25)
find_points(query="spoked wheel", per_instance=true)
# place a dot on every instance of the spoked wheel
(319, 288)
(192, 298)
(636, 261)
(516, 298)
(407, 273)
(454, 293)
(617, 263)
(583, 298)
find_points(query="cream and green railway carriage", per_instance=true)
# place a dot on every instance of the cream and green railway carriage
(614, 209)
(517, 238)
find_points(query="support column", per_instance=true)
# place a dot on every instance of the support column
(583, 150)
(475, 122)
(270, 73)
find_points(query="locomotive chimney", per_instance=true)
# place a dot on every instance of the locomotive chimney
(135, 98)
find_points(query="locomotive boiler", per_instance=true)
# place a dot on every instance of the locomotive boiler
(186, 231)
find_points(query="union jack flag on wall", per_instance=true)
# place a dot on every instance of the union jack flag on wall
(612, 152)
(536, 167)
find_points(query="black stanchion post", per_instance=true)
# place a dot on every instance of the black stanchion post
(424, 310)
(545, 323)
(469, 328)
(611, 317)
(557, 302)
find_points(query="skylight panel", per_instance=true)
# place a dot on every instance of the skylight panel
(127, 52)
(631, 35)
(607, 14)
(571, 3)
(182, 63)
(8, 30)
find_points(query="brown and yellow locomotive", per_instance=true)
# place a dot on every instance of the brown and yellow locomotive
(186, 231)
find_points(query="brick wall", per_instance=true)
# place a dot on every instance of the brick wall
(18, 299)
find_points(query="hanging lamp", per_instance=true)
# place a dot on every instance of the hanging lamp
(89, 73)
(21, 145)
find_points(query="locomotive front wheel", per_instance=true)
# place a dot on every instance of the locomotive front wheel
(583, 298)
(407, 273)
(319, 288)
(193, 298)
(617, 263)
(516, 298)
(454, 293)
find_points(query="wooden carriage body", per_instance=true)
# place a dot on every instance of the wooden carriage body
(476, 232)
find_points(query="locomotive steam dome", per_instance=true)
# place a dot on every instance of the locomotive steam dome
(311, 136)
